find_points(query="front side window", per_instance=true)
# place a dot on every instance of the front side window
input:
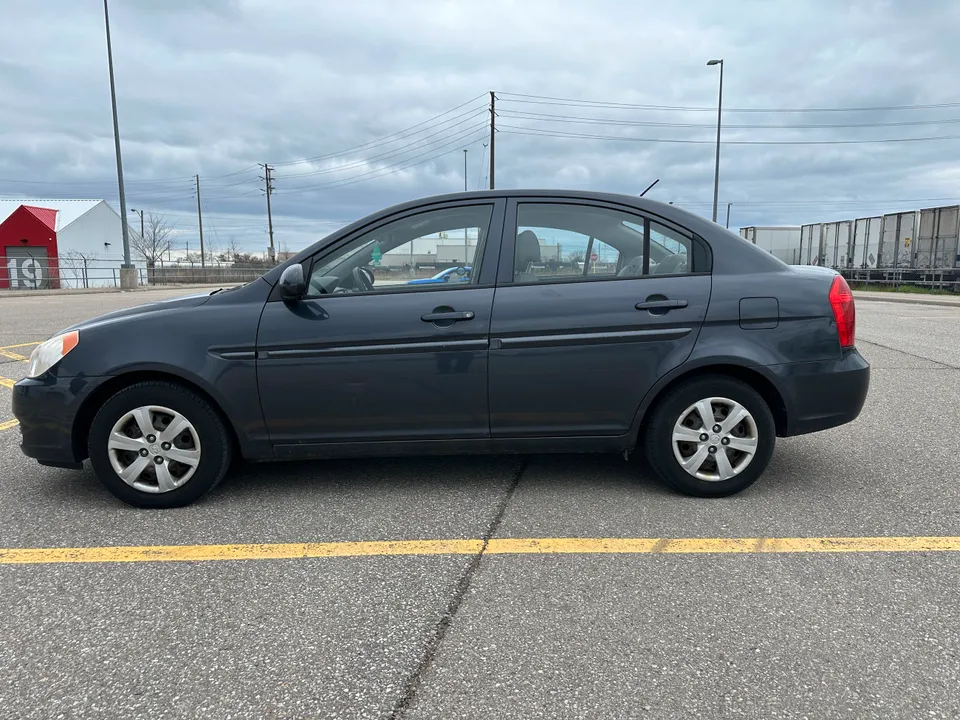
(431, 250)
(567, 242)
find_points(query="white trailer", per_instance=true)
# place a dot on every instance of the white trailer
(781, 241)
(811, 244)
(865, 244)
(836, 242)
(936, 242)
(897, 232)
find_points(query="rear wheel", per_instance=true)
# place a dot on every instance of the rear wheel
(710, 437)
(158, 445)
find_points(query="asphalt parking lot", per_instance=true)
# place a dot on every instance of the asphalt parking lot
(408, 588)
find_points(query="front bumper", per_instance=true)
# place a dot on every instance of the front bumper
(824, 394)
(47, 408)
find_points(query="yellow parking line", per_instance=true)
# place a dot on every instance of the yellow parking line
(281, 551)
(502, 546)
(8, 424)
(13, 355)
(28, 344)
(722, 545)
(7, 382)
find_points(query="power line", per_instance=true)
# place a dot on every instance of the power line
(396, 151)
(351, 180)
(547, 117)
(818, 202)
(548, 100)
(378, 174)
(385, 137)
(520, 130)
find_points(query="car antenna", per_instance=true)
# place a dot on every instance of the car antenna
(649, 186)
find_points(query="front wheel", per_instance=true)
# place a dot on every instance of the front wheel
(158, 445)
(710, 437)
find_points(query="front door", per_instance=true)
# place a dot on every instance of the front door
(593, 306)
(374, 353)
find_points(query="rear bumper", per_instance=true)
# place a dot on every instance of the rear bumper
(46, 408)
(824, 394)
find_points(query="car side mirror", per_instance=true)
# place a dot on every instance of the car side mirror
(292, 284)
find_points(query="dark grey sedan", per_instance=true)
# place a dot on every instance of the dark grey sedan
(582, 322)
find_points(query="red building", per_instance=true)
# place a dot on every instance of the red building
(28, 248)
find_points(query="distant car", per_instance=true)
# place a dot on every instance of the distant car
(663, 334)
(453, 274)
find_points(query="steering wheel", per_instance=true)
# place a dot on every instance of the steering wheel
(362, 282)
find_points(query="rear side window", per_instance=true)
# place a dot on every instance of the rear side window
(561, 242)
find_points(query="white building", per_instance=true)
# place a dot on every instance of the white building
(65, 243)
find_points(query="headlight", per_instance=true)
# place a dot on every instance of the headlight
(48, 354)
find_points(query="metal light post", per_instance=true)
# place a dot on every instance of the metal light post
(716, 172)
(140, 213)
(128, 277)
(466, 246)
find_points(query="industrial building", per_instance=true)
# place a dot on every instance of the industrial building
(57, 243)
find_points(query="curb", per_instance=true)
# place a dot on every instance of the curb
(106, 290)
(908, 300)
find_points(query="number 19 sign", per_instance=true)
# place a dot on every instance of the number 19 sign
(25, 273)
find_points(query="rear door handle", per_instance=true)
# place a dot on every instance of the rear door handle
(447, 316)
(661, 305)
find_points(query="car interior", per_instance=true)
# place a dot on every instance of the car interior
(669, 250)
(349, 271)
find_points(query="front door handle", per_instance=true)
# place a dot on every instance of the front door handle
(661, 305)
(447, 316)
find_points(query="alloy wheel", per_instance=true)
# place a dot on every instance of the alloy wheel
(715, 439)
(154, 449)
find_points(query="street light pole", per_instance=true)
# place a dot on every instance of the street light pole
(466, 247)
(127, 265)
(140, 213)
(716, 171)
(729, 205)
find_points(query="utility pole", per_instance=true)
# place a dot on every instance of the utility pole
(716, 171)
(128, 279)
(728, 214)
(493, 132)
(269, 189)
(203, 261)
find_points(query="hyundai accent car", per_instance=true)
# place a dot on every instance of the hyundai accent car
(590, 323)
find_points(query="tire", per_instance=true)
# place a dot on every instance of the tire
(682, 406)
(183, 463)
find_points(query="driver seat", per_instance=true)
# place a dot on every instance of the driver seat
(527, 254)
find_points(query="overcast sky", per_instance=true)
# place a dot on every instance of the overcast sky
(216, 86)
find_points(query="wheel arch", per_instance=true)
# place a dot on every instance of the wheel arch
(106, 390)
(729, 367)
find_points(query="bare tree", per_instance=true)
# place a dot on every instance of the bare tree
(77, 263)
(157, 238)
(577, 256)
(233, 249)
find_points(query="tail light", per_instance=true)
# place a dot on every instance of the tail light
(841, 300)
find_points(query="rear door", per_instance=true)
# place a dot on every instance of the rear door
(594, 303)
(391, 361)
